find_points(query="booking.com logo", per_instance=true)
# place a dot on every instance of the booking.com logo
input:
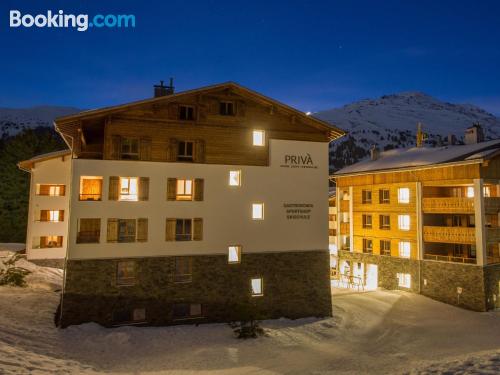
(79, 21)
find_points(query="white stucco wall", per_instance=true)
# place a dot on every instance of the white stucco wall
(53, 171)
(226, 210)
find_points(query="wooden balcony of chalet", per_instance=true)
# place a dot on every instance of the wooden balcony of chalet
(456, 235)
(492, 205)
(493, 235)
(449, 258)
(445, 205)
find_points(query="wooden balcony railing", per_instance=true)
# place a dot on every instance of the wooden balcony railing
(457, 235)
(344, 206)
(448, 205)
(344, 228)
(493, 234)
(492, 204)
(447, 258)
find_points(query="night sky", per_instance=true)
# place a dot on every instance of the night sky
(311, 55)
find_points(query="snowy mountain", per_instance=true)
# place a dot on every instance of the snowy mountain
(391, 121)
(14, 120)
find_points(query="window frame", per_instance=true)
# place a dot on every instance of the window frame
(184, 156)
(404, 280)
(366, 196)
(238, 254)
(407, 198)
(253, 292)
(258, 142)
(227, 108)
(130, 143)
(97, 233)
(189, 112)
(237, 172)
(367, 249)
(184, 182)
(383, 199)
(261, 211)
(122, 197)
(179, 265)
(383, 248)
(382, 224)
(402, 222)
(82, 194)
(129, 280)
(404, 249)
(367, 224)
(184, 236)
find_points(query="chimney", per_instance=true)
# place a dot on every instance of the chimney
(474, 134)
(162, 90)
(374, 152)
(452, 139)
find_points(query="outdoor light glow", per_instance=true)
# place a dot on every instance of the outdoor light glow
(258, 211)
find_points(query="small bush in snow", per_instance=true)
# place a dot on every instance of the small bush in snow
(12, 275)
(247, 326)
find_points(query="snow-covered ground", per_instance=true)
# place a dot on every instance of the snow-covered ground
(373, 333)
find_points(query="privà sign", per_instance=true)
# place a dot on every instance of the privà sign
(298, 161)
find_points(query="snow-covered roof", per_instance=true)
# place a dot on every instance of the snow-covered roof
(28, 164)
(404, 158)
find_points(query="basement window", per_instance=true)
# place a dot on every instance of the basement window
(125, 273)
(257, 287)
(234, 178)
(404, 280)
(234, 254)
(186, 311)
(404, 195)
(259, 138)
(258, 211)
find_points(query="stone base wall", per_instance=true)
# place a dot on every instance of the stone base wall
(52, 263)
(441, 281)
(438, 280)
(492, 286)
(296, 285)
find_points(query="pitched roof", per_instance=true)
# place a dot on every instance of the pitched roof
(414, 157)
(28, 164)
(334, 131)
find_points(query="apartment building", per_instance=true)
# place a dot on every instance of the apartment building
(193, 207)
(424, 220)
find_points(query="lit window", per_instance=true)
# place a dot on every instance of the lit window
(470, 192)
(404, 195)
(486, 191)
(128, 189)
(90, 188)
(54, 216)
(258, 211)
(258, 138)
(234, 178)
(257, 289)
(404, 280)
(185, 151)
(404, 249)
(54, 191)
(51, 190)
(404, 222)
(184, 189)
(234, 254)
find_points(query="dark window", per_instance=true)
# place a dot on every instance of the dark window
(227, 109)
(89, 231)
(186, 310)
(385, 222)
(366, 196)
(130, 148)
(384, 196)
(183, 230)
(183, 272)
(125, 272)
(367, 221)
(367, 246)
(186, 112)
(385, 247)
(185, 151)
(126, 230)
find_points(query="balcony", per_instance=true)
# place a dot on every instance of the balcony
(344, 228)
(493, 235)
(448, 258)
(446, 205)
(344, 206)
(457, 235)
(492, 205)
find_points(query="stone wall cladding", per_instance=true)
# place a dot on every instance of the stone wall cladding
(296, 285)
(443, 279)
(492, 286)
(52, 263)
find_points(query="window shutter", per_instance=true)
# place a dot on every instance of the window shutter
(199, 151)
(62, 190)
(197, 229)
(112, 230)
(198, 189)
(170, 230)
(114, 188)
(145, 149)
(173, 148)
(143, 188)
(173, 111)
(142, 230)
(116, 147)
(61, 215)
(171, 189)
(44, 215)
